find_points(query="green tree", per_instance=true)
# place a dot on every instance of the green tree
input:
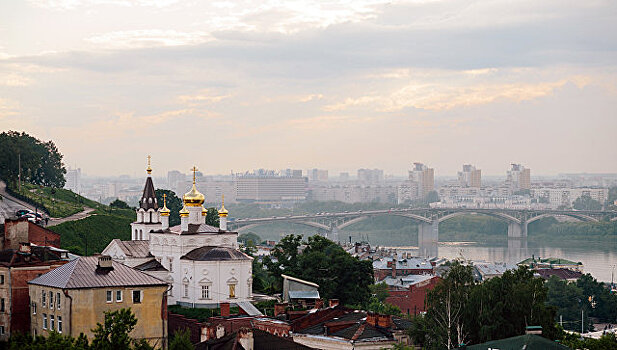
(174, 204)
(181, 341)
(41, 162)
(119, 204)
(585, 202)
(114, 333)
(212, 217)
(248, 238)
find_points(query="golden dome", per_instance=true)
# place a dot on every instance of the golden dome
(165, 211)
(223, 212)
(184, 212)
(204, 211)
(194, 198)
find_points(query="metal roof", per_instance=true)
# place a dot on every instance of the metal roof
(249, 308)
(212, 253)
(148, 199)
(84, 273)
(135, 249)
(302, 294)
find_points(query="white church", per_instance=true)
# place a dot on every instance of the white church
(201, 263)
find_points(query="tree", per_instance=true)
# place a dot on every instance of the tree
(41, 162)
(119, 204)
(174, 204)
(212, 217)
(249, 238)
(181, 340)
(585, 202)
(324, 262)
(113, 334)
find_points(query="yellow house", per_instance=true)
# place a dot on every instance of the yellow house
(72, 299)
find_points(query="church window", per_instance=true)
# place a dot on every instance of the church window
(171, 265)
(232, 290)
(186, 290)
(205, 292)
(150, 216)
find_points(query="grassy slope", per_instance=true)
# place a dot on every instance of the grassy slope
(97, 231)
(61, 204)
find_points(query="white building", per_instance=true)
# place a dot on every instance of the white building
(557, 197)
(73, 180)
(200, 262)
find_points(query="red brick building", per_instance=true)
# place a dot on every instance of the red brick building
(411, 300)
(17, 267)
(21, 230)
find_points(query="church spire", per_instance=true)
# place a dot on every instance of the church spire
(148, 199)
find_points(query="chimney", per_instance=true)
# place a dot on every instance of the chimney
(225, 309)
(371, 318)
(245, 338)
(279, 308)
(105, 262)
(25, 248)
(394, 268)
(333, 302)
(384, 321)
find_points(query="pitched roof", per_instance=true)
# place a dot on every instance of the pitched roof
(37, 255)
(301, 294)
(151, 265)
(526, 342)
(84, 273)
(564, 274)
(135, 249)
(210, 253)
(148, 199)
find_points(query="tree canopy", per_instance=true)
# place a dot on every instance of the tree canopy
(338, 274)
(462, 311)
(41, 162)
(585, 202)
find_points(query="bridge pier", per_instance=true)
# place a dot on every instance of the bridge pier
(333, 234)
(516, 230)
(428, 238)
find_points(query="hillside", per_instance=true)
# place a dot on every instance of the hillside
(96, 231)
(57, 202)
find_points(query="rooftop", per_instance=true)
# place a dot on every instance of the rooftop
(409, 263)
(85, 273)
(527, 342)
(135, 249)
(193, 229)
(210, 253)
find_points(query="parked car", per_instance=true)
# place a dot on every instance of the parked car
(21, 212)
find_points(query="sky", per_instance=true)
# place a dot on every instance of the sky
(338, 85)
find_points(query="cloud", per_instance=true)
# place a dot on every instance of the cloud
(79, 4)
(147, 38)
(14, 79)
(8, 108)
(205, 96)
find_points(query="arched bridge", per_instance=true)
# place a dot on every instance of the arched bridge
(428, 219)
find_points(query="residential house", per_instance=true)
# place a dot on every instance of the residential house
(73, 298)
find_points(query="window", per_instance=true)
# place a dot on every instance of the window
(51, 299)
(2, 305)
(205, 292)
(44, 299)
(58, 300)
(1, 330)
(51, 322)
(171, 265)
(118, 296)
(136, 296)
(34, 308)
(59, 324)
(186, 290)
(109, 296)
(1, 279)
(232, 290)
(44, 321)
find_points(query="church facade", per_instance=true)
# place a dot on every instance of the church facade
(201, 263)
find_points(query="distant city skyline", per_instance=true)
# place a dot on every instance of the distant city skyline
(338, 85)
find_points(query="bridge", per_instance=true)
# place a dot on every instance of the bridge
(428, 220)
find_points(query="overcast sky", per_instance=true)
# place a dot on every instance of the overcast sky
(338, 85)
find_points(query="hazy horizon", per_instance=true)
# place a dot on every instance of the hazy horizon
(343, 85)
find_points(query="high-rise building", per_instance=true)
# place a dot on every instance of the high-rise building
(174, 178)
(370, 176)
(270, 187)
(424, 177)
(470, 176)
(343, 176)
(73, 180)
(519, 178)
(318, 175)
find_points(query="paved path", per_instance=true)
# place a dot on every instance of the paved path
(78, 216)
(9, 205)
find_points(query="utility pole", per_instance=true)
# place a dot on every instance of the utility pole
(19, 166)
(582, 323)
